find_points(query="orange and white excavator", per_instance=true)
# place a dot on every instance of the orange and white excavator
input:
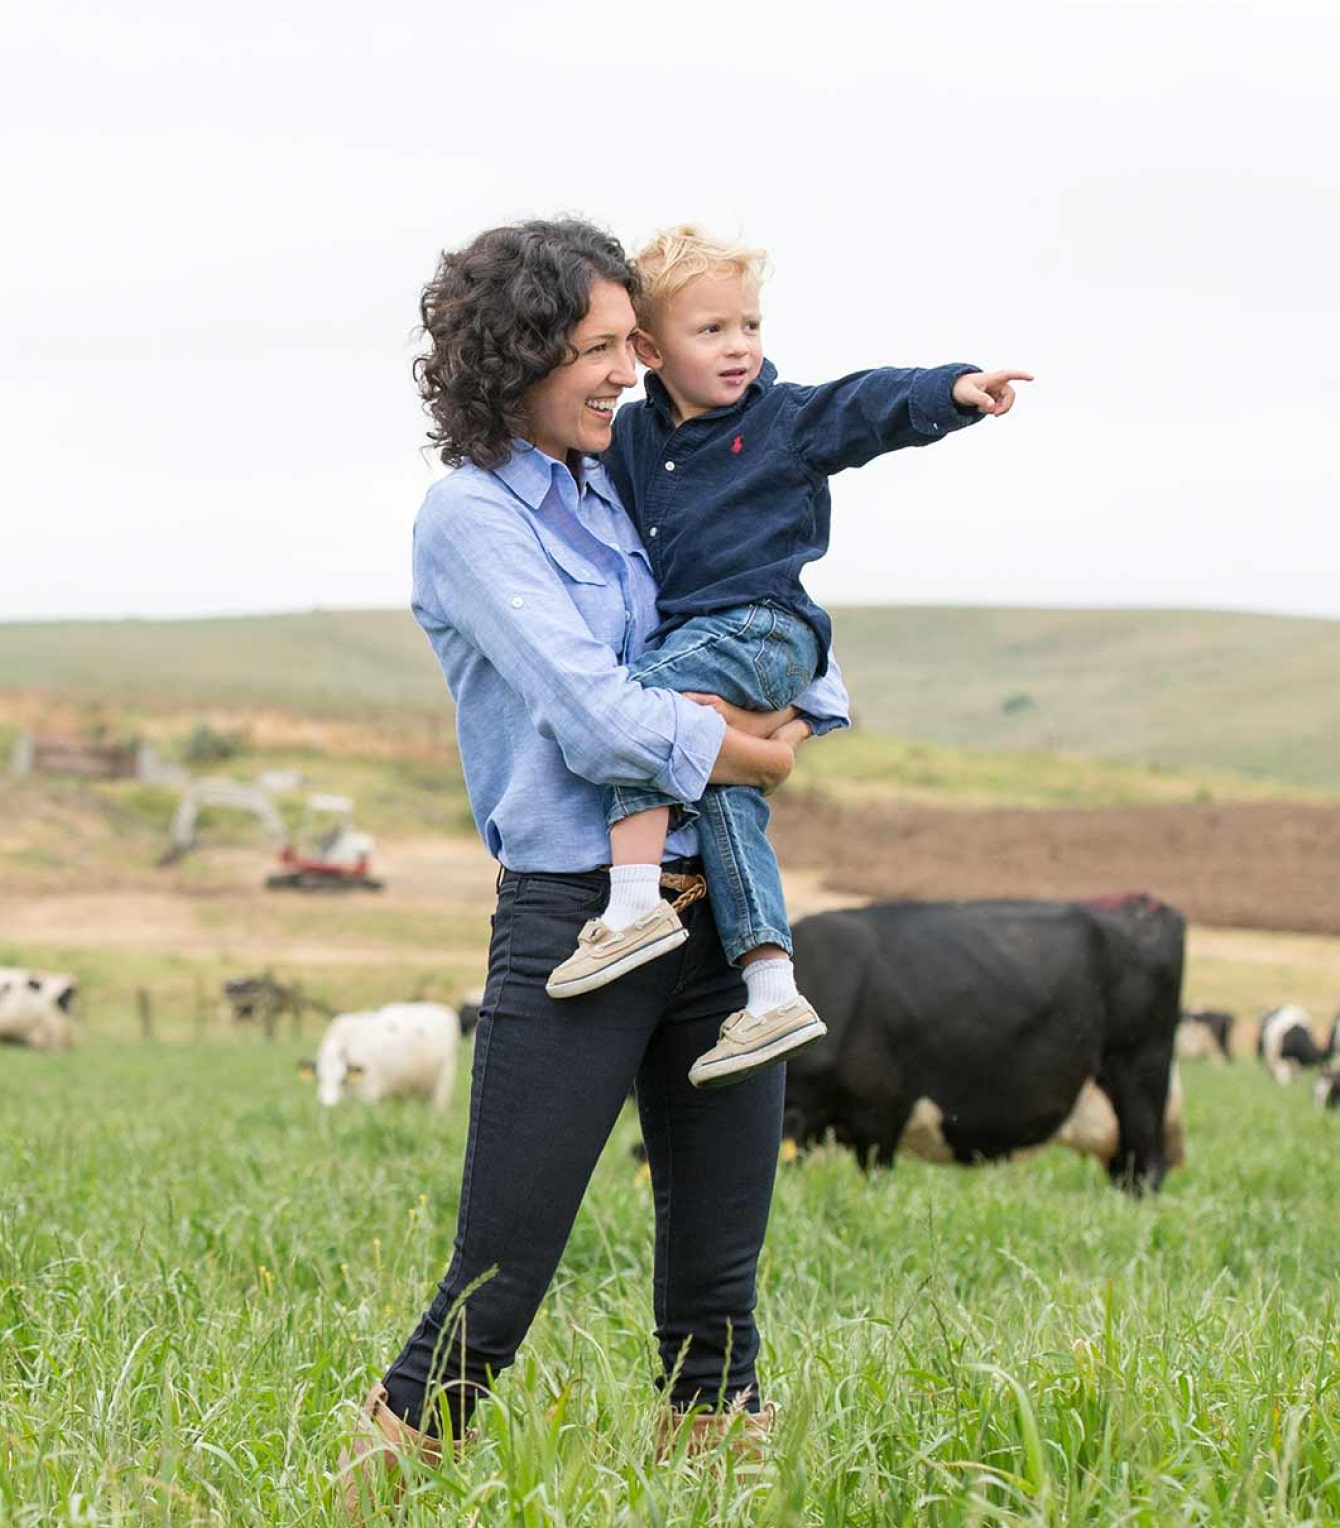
(329, 853)
(326, 854)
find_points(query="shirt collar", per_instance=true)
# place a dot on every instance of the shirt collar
(529, 473)
(659, 398)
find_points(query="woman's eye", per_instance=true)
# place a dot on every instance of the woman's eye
(596, 349)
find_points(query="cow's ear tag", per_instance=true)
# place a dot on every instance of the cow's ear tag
(355, 1072)
(306, 1070)
(790, 1152)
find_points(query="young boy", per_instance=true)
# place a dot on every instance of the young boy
(725, 471)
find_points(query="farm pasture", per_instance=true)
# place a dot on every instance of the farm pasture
(198, 1272)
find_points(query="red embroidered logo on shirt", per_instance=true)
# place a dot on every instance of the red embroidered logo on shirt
(737, 445)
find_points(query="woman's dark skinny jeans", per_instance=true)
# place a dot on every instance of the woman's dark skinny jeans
(548, 1082)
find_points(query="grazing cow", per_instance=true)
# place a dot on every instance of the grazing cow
(265, 1000)
(36, 1008)
(968, 1031)
(1285, 1042)
(1205, 1034)
(469, 1010)
(401, 1050)
(1326, 1091)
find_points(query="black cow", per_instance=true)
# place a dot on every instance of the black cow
(1205, 1034)
(966, 1031)
(264, 1000)
(1286, 1044)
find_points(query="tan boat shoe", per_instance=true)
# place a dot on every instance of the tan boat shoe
(605, 954)
(745, 1433)
(749, 1042)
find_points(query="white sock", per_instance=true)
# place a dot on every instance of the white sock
(634, 890)
(770, 982)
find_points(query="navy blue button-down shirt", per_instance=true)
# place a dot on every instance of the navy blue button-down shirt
(733, 504)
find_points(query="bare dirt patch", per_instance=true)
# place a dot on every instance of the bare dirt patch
(228, 909)
(1267, 865)
(427, 879)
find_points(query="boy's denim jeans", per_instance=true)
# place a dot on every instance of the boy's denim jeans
(759, 657)
(548, 1082)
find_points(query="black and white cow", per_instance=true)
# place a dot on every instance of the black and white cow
(1326, 1091)
(468, 1008)
(1205, 1034)
(36, 1008)
(966, 1031)
(1286, 1044)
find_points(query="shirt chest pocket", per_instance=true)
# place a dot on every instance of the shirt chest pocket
(598, 596)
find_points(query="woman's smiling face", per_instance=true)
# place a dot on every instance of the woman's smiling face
(572, 409)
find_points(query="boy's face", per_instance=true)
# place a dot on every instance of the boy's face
(706, 343)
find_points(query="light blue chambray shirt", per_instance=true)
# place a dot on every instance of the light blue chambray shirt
(536, 594)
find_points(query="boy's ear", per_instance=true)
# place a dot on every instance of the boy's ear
(647, 351)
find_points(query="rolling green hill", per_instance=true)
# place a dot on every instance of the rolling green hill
(1248, 693)
(1252, 693)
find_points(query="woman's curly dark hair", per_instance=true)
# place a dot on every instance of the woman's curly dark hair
(497, 315)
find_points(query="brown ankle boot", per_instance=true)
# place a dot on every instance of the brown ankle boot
(380, 1444)
(745, 1433)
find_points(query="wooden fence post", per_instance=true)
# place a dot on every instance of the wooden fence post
(146, 1014)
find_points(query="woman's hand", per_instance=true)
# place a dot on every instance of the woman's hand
(748, 760)
(795, 732)
(755, 723)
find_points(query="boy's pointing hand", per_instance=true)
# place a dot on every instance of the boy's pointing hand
(989, 392)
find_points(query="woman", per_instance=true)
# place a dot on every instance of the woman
(535, 594)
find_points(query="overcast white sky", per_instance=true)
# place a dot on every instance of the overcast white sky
(218, 220)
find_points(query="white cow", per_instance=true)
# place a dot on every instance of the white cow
(401, 1050)
(35, 1008)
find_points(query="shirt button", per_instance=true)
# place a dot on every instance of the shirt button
(652, 531)
(669, 466)
(517, 602)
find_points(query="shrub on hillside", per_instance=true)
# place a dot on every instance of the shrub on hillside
(207, 745)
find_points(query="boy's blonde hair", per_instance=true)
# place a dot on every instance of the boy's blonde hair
(676, 255)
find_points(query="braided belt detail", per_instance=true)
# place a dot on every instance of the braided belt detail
(691, 889)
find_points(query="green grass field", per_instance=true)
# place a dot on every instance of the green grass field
(198, 1274)
(1249, 694)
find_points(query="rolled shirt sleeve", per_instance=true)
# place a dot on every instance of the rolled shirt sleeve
(481, 570)
(825, 705)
